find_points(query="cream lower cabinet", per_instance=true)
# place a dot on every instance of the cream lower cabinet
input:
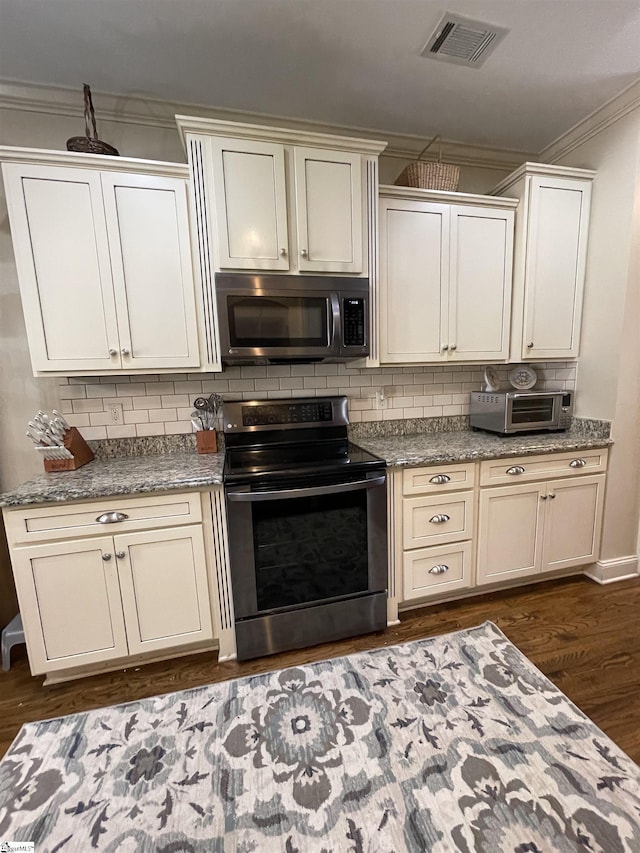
(536, 527)
(434, 529)
(103, 256)
(445, 277)
(89, 599)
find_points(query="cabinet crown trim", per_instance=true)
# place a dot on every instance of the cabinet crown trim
(73, 159)
(542, 170)
(239, 130)
(444, 197)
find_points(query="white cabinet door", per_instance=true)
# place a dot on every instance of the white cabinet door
(414, 272)
(556, 248)
(250, 204)
(509, 532)
(328, 192)
(62, 256)
(147, 222)
(480, 283)
(165, 592)
(573, 516)
(70, 603)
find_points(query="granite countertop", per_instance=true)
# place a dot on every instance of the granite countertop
(177, 466)
(467, 445)
(122, 476)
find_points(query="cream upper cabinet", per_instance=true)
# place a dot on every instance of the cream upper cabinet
(445, 277)
(552, 223)
(250, 201)
(282, 200)
(104, 263)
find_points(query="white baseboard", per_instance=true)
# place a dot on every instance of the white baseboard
(610, 571)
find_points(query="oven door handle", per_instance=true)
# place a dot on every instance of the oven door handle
(282, 494)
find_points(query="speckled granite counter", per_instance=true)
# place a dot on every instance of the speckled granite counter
(123, 476)
(433, 442)
(465, 445)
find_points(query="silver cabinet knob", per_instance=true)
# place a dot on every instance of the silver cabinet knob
(543, 497)
(577, 463)
(551, 496)
(454, 347)
(441, 518)
(106, 557)
(124, 351)
(111, 517)
(283, 252)
(113, 351)
(438, 479)
(120, 555)
(445, 347)
(515, 470)
(530, 345)
(438, 570)
(304, 253)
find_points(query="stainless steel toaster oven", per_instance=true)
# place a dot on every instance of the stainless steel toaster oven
(508, 412)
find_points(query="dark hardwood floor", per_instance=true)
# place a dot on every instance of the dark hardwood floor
(584, 637)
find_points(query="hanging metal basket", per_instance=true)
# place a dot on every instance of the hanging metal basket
(90, 144)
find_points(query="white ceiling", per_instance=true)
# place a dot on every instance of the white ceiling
(347, 62)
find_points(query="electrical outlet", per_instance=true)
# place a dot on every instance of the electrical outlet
(115, 414)
(381, 399)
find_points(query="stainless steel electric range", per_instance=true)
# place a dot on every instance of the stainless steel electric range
(307, 515)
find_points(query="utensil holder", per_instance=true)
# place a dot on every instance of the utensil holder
(75, 444)
(207, 441)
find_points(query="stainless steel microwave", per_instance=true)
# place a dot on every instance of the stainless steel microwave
(509, 412)
(271, 319)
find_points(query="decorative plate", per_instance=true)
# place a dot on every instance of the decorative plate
(491, 381)
(523, 377)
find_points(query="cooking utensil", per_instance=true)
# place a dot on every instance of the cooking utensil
(61, 419)
(208, 409)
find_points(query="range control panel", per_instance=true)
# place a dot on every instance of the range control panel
(255, 415)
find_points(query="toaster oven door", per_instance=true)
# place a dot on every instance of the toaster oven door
(532, 411)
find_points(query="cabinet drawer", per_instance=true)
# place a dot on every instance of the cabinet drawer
(525, 468)
(421, 481)
(437, 519)
(73, 520)
(424, 571)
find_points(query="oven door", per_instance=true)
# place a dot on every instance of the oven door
(306, 544)
(538, 410)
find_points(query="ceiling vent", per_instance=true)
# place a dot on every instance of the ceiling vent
(463, 40)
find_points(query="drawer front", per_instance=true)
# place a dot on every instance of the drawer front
(117, 516)
(437, 519)
(443, 478)
(522, 469)
(433, 571)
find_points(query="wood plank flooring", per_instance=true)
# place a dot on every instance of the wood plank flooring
(584, 637)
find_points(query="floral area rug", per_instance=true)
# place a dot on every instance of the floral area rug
(455, 743)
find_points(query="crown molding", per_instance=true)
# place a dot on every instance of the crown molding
(444, 197)
(150, 112)
(609, 113)
(46, 157)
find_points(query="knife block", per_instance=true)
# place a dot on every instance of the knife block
(75, 444)
(206, 441)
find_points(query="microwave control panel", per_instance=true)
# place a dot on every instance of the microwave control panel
(353, 322)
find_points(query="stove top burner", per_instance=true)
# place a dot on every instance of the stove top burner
(276, 440)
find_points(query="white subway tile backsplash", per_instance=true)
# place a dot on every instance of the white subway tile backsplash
(158, 404)
(125, 431)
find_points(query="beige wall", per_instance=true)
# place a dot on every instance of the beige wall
(608, 384)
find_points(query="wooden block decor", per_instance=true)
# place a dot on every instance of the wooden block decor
(75, 444)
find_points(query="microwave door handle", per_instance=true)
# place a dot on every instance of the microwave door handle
(334, 342)
(282, 494)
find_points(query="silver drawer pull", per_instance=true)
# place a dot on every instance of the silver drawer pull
(439, 570)
(440, 518)
(515, 469)
(440, 478)
(111, 517)
(577, 463)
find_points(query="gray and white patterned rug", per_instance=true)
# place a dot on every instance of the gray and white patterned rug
(456, 743)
